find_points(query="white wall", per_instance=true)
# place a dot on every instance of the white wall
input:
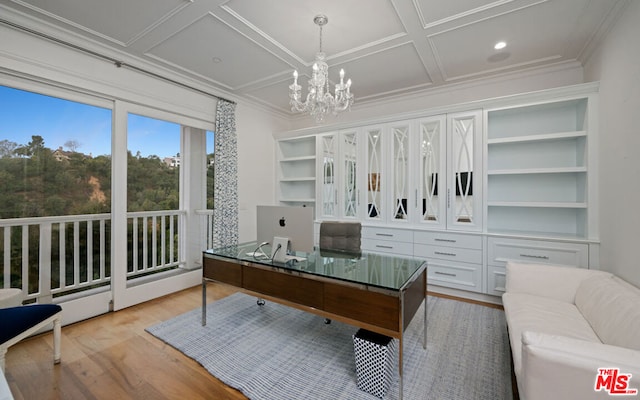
(616, 64)
(256, 168)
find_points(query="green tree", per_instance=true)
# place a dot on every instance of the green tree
(7, 148)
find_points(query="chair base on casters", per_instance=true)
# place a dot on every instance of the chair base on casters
(17, 323)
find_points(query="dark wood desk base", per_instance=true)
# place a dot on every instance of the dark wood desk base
(383, 311)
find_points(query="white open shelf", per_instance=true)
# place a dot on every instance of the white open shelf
(529, 171)
(540, 137)
(537, 169)
(546, 204)
(297, 171)
(300, 158)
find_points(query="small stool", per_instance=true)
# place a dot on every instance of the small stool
(10, 297)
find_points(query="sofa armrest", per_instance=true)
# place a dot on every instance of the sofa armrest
(553, 281)
(559, 367)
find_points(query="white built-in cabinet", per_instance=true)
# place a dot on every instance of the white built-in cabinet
(406, 173)
(467, 189)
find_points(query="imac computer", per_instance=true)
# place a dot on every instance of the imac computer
(286, 229)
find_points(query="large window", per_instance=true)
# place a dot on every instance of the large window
(153, 184)
(54, 156)
(65, 226)
(55, 162)
(153, 170)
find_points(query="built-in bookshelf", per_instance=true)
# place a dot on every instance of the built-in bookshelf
(537, 170)
(296, 172)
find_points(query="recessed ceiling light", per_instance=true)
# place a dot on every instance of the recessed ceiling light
(500, 45)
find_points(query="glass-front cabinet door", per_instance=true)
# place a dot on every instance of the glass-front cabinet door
(431, 190)
(328, 185)
(375, 184)
(339, 168)
(464, 188)
(350, 191)
(400, 205)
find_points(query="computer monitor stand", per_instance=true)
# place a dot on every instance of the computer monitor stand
(279, 249)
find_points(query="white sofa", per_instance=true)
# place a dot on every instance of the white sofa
(564, 325)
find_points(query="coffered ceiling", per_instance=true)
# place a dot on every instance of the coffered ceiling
(249, 48)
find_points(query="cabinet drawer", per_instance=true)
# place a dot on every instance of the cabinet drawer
(400, 235)
(461, 276)
(538, 252)
(387, 246)
(447, 239)
(447, 253)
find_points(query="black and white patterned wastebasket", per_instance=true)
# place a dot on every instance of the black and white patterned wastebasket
(375, 358)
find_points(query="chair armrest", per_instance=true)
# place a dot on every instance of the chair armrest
(559, 367)
(553, 281)
(5, 392)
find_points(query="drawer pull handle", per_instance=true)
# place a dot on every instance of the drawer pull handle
(445, 273)
(534, 256)
(445, 240)
(384, 247)
(384, 234)
(440, 253)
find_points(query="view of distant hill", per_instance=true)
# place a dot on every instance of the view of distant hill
(36, 181)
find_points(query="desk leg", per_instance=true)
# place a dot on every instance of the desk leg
(401, 346)
(204, 302)
(424, 344)
(400, 368)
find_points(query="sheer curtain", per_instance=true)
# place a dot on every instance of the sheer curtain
(225, 210)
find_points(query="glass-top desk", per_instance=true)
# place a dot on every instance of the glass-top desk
(380, 293)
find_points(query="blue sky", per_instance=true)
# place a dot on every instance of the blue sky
(24, 114)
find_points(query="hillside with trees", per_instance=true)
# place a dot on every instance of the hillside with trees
(36, 181)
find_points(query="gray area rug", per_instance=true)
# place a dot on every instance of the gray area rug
(275, 352)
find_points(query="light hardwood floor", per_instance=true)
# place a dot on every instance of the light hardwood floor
(112, 357)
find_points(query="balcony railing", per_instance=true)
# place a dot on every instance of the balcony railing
(49, 257)
(206, 233)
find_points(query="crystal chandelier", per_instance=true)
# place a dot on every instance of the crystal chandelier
(319, 100)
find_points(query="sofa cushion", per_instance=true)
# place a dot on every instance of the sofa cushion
(527, 312)
(546, 358)
(612, 307)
